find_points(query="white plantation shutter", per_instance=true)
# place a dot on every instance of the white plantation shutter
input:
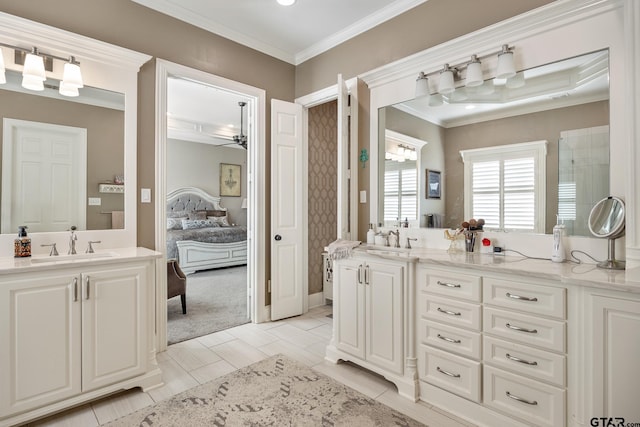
(505, 186)
(400, 191)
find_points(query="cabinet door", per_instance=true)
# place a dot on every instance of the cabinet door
(114, 325)
(348, 306)
(40, 336)
(385, 312)
(616, 358)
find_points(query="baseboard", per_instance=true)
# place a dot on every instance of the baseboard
(316, 300)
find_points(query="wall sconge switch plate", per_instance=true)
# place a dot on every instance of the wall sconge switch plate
(363, 196)
(145, 195)
(95, 201)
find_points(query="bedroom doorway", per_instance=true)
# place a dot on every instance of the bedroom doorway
(201, 153)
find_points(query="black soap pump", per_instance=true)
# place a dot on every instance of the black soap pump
(22, 245)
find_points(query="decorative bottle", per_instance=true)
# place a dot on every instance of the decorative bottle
(371, 235)
(22, 245)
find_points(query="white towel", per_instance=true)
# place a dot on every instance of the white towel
(342, 248)
(117, 220)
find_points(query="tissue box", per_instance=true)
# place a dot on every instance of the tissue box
(486, 246)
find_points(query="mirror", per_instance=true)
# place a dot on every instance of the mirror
(75, 143)
(564, 104)
(607, 220)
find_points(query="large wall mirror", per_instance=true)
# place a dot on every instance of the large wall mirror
(62, 158)
(68, 160)
(562, 108)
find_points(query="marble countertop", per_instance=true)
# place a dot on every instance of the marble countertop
(565, 272)
(42, 262)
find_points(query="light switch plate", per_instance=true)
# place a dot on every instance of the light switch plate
(95, 201)
(145, 195)
(363, 196)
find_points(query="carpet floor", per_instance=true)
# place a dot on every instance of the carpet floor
(216, 300)
(273, 392)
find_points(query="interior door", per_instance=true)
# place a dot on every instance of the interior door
(288, 215)
(347, 159)
(43, 165)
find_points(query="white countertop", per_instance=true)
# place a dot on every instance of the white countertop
(566, 272)
(42, 262)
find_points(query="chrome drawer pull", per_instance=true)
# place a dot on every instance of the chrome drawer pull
(448, 285)
(517, 359)
(451, 313)
(449, 339)
(442, 371)
(532, 299)
(519, 329)
(519, 399)
(75, 289)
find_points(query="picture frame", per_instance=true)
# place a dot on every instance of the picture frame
(230, 180)
(434, 184)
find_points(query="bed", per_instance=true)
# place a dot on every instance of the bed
(203, 240)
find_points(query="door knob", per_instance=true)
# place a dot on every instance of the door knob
(278, 237)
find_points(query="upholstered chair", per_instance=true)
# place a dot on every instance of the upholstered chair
(176, 283)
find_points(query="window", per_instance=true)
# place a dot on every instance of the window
(506, 186)
(400, 190)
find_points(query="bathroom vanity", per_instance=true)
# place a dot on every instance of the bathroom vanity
(75, 328)
(496, 340)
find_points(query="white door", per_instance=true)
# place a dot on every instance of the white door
(43, 165)
(347, 159)
(288, 214)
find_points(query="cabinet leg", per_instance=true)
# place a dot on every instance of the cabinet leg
(183, 299)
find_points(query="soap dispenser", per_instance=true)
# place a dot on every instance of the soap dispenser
(557, 252)
(371, 235)
(22, 245)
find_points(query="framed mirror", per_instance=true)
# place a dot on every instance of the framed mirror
(565, 104)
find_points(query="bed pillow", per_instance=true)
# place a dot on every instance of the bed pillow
(192, 224)
(216, 213)
(175, 223)
(199, 215)
(177, 214)
(222, 221)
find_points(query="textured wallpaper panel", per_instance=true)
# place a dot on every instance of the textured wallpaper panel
(323, 158)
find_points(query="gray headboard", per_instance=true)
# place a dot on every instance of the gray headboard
(192, 199)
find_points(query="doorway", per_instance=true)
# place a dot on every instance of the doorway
(254, 178)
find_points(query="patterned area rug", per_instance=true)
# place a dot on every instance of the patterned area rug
(274, 392)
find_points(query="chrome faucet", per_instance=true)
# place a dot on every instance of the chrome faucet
(90, 246)
(72, 241)
(397, 235)
(54, 251)
(409, 242)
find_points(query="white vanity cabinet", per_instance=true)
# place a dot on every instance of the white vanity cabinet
(613, 368)
(370, 313)
(73, 334)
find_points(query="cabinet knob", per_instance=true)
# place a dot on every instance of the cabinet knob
(278, 237)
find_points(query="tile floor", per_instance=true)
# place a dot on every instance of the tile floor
(187, 364)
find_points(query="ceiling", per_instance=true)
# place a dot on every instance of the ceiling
(291, 33)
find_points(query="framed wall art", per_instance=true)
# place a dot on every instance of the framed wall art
(434, 184)
(230, 180)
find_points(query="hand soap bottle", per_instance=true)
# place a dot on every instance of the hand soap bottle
(22, 245)
(371, 235)
(557, 252)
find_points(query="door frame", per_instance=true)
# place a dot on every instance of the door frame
(256, 214)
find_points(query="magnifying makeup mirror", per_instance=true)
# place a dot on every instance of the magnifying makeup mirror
(606, 220)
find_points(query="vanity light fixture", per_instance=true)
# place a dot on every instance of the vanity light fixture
(37, 63)
(474, 77)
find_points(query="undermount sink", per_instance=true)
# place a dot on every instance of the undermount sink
(78, 257)
(393, 253)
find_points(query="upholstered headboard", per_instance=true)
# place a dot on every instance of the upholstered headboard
(192, 199)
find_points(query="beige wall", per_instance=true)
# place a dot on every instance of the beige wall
(105, 142)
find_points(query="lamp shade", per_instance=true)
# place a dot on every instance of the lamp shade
(422, 86)
(474, 73)
(506, 68)
(446, 84)
(244, 204)
(72, 75)
(516, 81)
(32, 83)
(34, 67)
(68, 90)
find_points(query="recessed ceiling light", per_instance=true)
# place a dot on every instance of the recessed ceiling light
(286, 2)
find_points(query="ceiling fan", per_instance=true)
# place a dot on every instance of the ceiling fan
(241, 139)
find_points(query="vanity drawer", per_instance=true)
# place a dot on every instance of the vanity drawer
(531, 330)
(461, 341)
(453, 373)
(527, 297)
(447, 310)
(529, 400)
(450, 284)
(524, 360)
